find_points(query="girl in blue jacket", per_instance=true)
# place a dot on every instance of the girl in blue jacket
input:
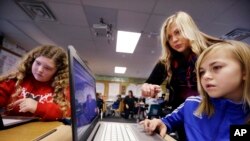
(223, 77)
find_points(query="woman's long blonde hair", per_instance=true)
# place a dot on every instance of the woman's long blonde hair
(241, 52)
(60, 80)
(198, 40)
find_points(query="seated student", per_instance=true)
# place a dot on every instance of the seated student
(39, 86)
(99, 101)
(129, 102)
(116, 104)
(115, 107)
(223, 100)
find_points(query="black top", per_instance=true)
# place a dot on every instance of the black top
(183, 82)
(130, 101)
(99, 103)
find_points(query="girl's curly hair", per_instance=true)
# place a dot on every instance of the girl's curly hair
(60, 81)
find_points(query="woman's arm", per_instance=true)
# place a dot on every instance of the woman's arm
(151, 87)
(158, 75)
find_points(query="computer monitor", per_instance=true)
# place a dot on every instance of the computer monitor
(84, 111)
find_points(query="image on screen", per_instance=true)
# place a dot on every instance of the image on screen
(85, 99)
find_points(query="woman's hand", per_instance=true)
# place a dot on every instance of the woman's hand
(150, 126)
(26, 105)
(127, 107)
(150, 90)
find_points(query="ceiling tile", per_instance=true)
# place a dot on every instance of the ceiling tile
(131, 21)
(154, 24)
(67, 1)
(16, 12)
(133, 5)
(74, 14)
(59, 31)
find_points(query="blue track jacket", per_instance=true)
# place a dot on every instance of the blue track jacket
(203, 128)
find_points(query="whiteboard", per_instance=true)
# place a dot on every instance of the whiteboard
(8, 61)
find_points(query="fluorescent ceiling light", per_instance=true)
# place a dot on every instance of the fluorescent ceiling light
(120, 69)
(127, 41)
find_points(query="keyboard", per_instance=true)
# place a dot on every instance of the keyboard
(117, 132)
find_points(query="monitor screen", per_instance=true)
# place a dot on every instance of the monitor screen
(83, 97)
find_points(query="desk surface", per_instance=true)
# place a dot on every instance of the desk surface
(27, 132)
(32, 130)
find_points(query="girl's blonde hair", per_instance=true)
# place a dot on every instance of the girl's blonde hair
(60, 80)
(241, 52)
(198, 40)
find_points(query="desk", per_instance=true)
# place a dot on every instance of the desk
(28, 131)
(32, 130)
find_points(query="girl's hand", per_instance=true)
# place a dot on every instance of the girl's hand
(150, 90)
(26, 105)
(150, 126)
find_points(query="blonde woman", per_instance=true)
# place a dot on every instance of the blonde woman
(223, 74)
(39, 86)
(182, 42)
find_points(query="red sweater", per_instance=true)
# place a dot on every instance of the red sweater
(42, 92)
